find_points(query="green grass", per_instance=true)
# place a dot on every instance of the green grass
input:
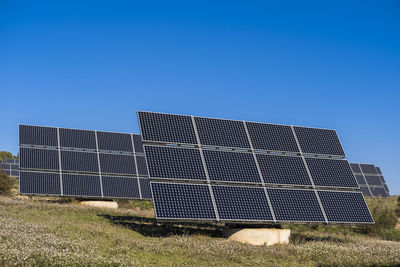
(44, 232)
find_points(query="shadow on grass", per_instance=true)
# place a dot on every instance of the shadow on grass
(152, 228)
(300, 238)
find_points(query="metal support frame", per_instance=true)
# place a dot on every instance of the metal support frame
(136, 167)
(205, 169)
(59, 160)
(98, 162)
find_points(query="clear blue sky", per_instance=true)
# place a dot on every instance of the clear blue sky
(92, 65)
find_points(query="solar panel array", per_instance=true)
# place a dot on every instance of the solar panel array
(10, 167)
(237, 171)
(370, 179)
(82, 163)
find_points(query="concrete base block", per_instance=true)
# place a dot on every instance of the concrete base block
(258, 236)
(100, 204)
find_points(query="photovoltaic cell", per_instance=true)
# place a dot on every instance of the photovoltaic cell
(114, 141)
(137, 141)
(295, 205)
(355, 168)
(117, 164)
(345, 207)
(14, 173)
(242, 203)
(378, 170)
(378, 192)
(77, 138)
(40, 159)
(182, 201)
(40, 183)
(79, 161)
(331, 172)
(174, 163)
(141, 164)
(368, 168)
(37, 135)
(373, 180)
(145, 188)
(81, 185)
(225, 133)
(120, 187)
(272, 137)
(319, 141)
(231, 166)
(365, 191)
(284, 170)
(166, 128)
(360, 179)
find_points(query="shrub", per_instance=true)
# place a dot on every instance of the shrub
(383, 212)
(397, 211)
(6, 183)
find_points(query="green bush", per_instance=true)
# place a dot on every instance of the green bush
(383, 212)
(6, 183)
(397, 211)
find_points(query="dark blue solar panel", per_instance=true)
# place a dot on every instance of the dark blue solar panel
(37, 135)
(378, 192)
(225, 133)
(355, 167)
(378, 170)
(14, 166)
(166, 128)
(331, 172)
(141, 164)
(360, 179)
(114, 141)
(14, 173)
(365, 191)
(117, 164)
(283, 170)
(373, 180)
(272, 137)
(79, 161)
(120, 187)
(386, 189)
(174, 163)
(4, 166)
(137, 141)
(368, 168)
(39, 183)
(231, 166)
(81, 185)
(319, 141)
(382, 179)
(41, 159)
(242, 203)
(77, 138)
(345, 207)
(182, 201)
(295, 205)
(145, 188)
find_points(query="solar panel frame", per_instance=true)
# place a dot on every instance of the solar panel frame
(79, 139)
(55, 191)
(373, 180)
(49, 138)
(379, 192)
(109, 141)
(368, 168)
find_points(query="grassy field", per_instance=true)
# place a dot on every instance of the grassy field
(56, 232)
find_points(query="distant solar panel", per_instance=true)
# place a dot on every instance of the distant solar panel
(365, 191)
(284, 170)
(373, 180)
(378, 170)
(368, 168)
(242, 203)
(331, 172)
(86, 164)
(272, 137)
(231, 166)
(378, 192)
(222, 133)
(319, 141)
(182, 201)
(360, 179)
(345, 207)
(355, 168)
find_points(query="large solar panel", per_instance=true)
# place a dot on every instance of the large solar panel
(345, 207)
(319, 141)
(331, 172)
(272, 137)
(87, 163)
(236, 171)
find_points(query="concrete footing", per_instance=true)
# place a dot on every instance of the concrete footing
(100, 204)
(258, 236)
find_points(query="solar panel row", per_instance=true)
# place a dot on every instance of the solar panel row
(230, 175)
(182, 129)
(10, 167)
(86, 163)
(250, 204)
(179, 163)
(370, 180)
